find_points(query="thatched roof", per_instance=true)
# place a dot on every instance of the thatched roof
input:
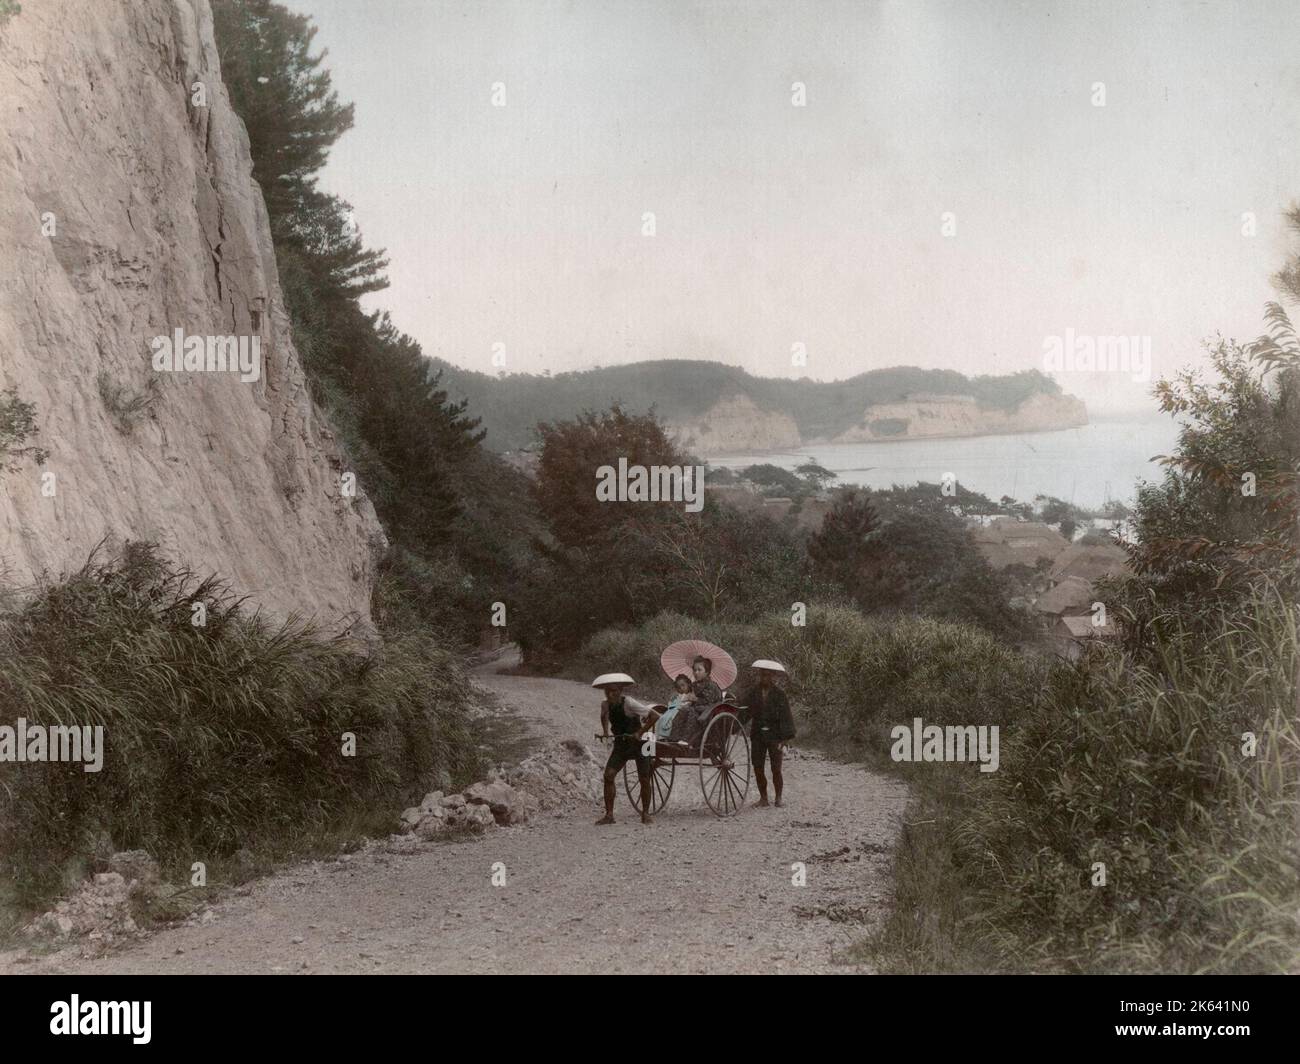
(1071, 594)
(1090, 563)
(1007, 541)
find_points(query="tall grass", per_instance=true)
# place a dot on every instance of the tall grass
(1137, 765)
(218, 737)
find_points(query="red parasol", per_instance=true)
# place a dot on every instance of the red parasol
(679, 656)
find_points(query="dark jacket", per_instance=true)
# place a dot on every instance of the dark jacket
(707, 695)
(623, 721)
(770, 720)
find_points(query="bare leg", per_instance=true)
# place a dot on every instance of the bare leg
(778, 781)
(647, 800)
(758, 755)
(609, 797)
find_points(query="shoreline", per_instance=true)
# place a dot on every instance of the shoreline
(803, 447)
(1084, 464)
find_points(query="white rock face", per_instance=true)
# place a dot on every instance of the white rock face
(157, 225)
(736, 423)
(960, 415)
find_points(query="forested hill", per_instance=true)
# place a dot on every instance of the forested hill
(680, 389)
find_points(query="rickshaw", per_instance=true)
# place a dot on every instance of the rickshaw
(721, 756)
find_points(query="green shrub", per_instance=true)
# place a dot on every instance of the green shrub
(219, 737)
(1136, 764)
(852, 678)
(415, 593)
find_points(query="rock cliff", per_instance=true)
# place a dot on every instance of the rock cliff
(737, 423)
(128, 212)
(921, 417)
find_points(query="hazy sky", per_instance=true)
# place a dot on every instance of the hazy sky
(821, 224)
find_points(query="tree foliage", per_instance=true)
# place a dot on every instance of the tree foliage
(1224, 516)
(610, 563)
(288, 104)
(417, 453)
(572, 454)
(904, 550)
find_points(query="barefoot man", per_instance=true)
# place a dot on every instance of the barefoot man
(771, 726)
(627, 728)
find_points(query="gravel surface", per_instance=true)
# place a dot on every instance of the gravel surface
(689, 893)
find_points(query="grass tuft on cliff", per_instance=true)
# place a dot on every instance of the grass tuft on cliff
(220, 739)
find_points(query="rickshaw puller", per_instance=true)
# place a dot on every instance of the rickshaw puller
(627, 728)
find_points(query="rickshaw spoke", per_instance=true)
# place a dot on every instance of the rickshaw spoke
(669, 775)
(735, 792)
(708, 794)
(720, 756)
(661, 792)
(731, 788)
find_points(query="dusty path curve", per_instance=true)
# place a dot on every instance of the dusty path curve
(691, 893)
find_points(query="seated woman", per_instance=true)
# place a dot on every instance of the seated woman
(706, 694)
(683, 697)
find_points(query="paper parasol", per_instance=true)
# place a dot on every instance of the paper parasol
(679, 656)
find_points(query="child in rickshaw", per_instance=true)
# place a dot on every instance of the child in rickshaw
(682, 698)
(705, 694)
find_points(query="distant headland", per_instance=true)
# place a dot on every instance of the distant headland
(715, 409)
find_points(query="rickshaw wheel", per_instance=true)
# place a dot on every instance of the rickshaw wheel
(661, 784)
(724, 769)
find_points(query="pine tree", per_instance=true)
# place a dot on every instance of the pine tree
(409, 442)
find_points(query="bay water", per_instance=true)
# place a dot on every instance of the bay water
(1086, 466)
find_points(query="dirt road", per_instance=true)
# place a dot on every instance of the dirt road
(690, 893)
